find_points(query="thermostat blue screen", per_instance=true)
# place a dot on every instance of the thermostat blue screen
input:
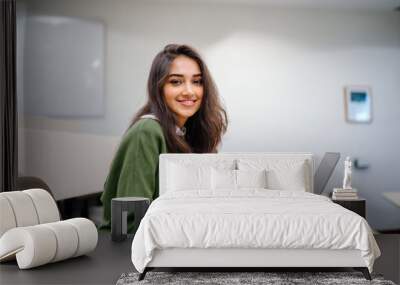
(358, 97)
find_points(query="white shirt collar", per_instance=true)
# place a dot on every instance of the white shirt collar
(181, 131)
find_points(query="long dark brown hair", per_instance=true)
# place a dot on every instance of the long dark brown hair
(205, 128)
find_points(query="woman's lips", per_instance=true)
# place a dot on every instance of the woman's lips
(187, 102)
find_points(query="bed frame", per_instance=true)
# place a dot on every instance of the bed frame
(242, 259)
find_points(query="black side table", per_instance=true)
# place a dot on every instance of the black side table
(358, 206)
(120, 207)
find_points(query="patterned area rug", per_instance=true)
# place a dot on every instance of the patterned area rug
(229, 278)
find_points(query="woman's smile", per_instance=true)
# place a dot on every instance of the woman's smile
(187, 102)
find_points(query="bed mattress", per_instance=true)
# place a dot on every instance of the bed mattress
(250, 219)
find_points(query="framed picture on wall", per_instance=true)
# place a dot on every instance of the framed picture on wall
(358, 104)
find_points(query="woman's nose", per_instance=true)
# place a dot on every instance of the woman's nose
(188, 89)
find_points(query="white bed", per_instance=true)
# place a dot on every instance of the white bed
(247, 210)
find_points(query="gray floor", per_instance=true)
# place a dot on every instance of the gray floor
(389, 263)
(106, 264)
(102, 266)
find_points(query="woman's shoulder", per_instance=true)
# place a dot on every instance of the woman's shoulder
(145, 127)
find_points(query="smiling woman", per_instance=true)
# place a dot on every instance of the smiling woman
(183, 91)
(183, 114)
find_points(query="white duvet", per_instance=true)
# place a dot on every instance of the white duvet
(250, 218)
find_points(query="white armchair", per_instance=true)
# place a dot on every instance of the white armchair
(31, 230)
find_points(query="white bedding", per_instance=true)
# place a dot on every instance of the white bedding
(251, 218)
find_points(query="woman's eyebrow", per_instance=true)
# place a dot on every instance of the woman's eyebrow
(181, 75)
(174, 74)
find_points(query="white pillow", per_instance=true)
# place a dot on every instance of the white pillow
(181, 177)
(282, 174)
(223, 179)
(251, 178)
(228, 179)
(288, 179)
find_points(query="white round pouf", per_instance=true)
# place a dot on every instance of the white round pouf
(46, 207)
(7, 218)
(67, 240)
(87, 234)
(33, 246)
(23, 208)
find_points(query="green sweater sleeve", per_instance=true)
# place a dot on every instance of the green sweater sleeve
(134, 170)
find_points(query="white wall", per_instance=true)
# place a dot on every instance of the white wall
(281, 74)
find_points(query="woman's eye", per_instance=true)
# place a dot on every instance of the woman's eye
(175, 82)
(198, 82)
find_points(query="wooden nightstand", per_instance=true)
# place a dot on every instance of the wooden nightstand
(358, 206)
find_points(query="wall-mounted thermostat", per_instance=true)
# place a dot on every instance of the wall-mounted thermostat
(358, 104)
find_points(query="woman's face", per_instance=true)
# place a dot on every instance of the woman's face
(183, 90)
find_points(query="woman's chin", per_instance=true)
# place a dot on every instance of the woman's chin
(182, 118)
(186, 113)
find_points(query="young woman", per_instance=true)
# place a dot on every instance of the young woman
(183, 114)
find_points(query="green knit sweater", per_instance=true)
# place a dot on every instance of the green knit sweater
(134, 170)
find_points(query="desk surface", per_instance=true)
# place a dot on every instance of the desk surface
(102, 266)
(394, 197)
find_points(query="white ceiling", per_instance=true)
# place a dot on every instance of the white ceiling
(372, 5)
